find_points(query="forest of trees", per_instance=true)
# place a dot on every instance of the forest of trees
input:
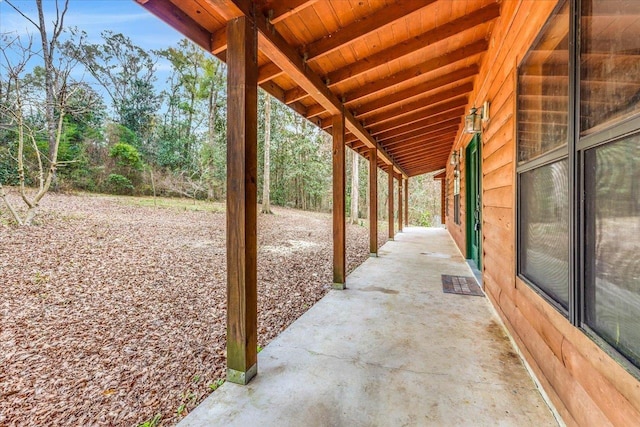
(121, 129)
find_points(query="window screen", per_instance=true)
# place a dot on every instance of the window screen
(609, 62)
(612, 270)
(544, 228)
(543, 96)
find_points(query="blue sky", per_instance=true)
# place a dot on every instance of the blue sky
(94, 16)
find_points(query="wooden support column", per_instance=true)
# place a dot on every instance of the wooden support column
(242, 168)
(400, 204)
(390, 197)
(373, 202)
(406, 202)
(339, 218)
(443, 201)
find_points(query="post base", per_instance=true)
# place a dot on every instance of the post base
(373, 255)
(242, 378)
(339, 286)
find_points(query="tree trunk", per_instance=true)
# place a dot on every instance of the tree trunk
(266, 185)
(355, 193)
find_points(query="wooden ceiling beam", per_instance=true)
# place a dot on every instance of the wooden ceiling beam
(219, 41)
(444, 107)
(432, 64)
(427, 142)
(315, 111)
(447, 133)
(437, 161)
(174, 16)
(426, 169)
(275, 47)
(410, 46)
(431, 166)
(351, 33)
(280, 10)
(424, 145)
(230, 9)
(432, 130)
(268, 72)
(276, 12)
(403, 95)
(433, 163)
(437, 148)
(418, 104)
(428, 121)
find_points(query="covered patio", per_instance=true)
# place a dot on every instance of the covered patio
(390, 350)
(425, 86)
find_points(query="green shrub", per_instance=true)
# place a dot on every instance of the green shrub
(126, 156)
(426, 219)
(119, 184)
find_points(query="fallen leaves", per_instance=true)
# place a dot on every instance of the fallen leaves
(108, 310)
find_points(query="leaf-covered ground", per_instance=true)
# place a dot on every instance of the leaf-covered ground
(112, 311)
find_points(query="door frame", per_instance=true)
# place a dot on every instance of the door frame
(469, 211)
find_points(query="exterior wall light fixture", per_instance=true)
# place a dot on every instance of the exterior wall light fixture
(456, 157)
(477, 116)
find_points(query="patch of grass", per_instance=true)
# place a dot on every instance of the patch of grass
(181, 409)
(174, 203)
(153, 422)
(215, 385)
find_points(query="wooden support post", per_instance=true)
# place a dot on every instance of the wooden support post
(406, 202)
(390, 196)
(443, 201)
(339, 218)
(400, 204)
(242, 168)
(373, 202)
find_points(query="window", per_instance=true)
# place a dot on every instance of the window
(612, 270)
(544, 215)
(543, 98)
(578, 130)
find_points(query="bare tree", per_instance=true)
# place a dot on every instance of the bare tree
(266, 184)
(59, 89)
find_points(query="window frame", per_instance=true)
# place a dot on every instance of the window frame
(574, 151)
(550, 157)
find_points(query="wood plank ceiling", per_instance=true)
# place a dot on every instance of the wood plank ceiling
(401, 70)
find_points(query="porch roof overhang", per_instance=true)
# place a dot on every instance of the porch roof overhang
(400, 71)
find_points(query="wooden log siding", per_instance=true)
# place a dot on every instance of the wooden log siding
(373, 202)
(339, 216)
(242, 176)
(585, 385)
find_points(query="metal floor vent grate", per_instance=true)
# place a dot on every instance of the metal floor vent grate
(461, 285)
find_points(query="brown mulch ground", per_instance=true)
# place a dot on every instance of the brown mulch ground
(112, 312)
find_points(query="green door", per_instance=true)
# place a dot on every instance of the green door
(473, 211)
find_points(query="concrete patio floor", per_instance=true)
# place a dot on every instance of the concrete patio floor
(390, 350)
